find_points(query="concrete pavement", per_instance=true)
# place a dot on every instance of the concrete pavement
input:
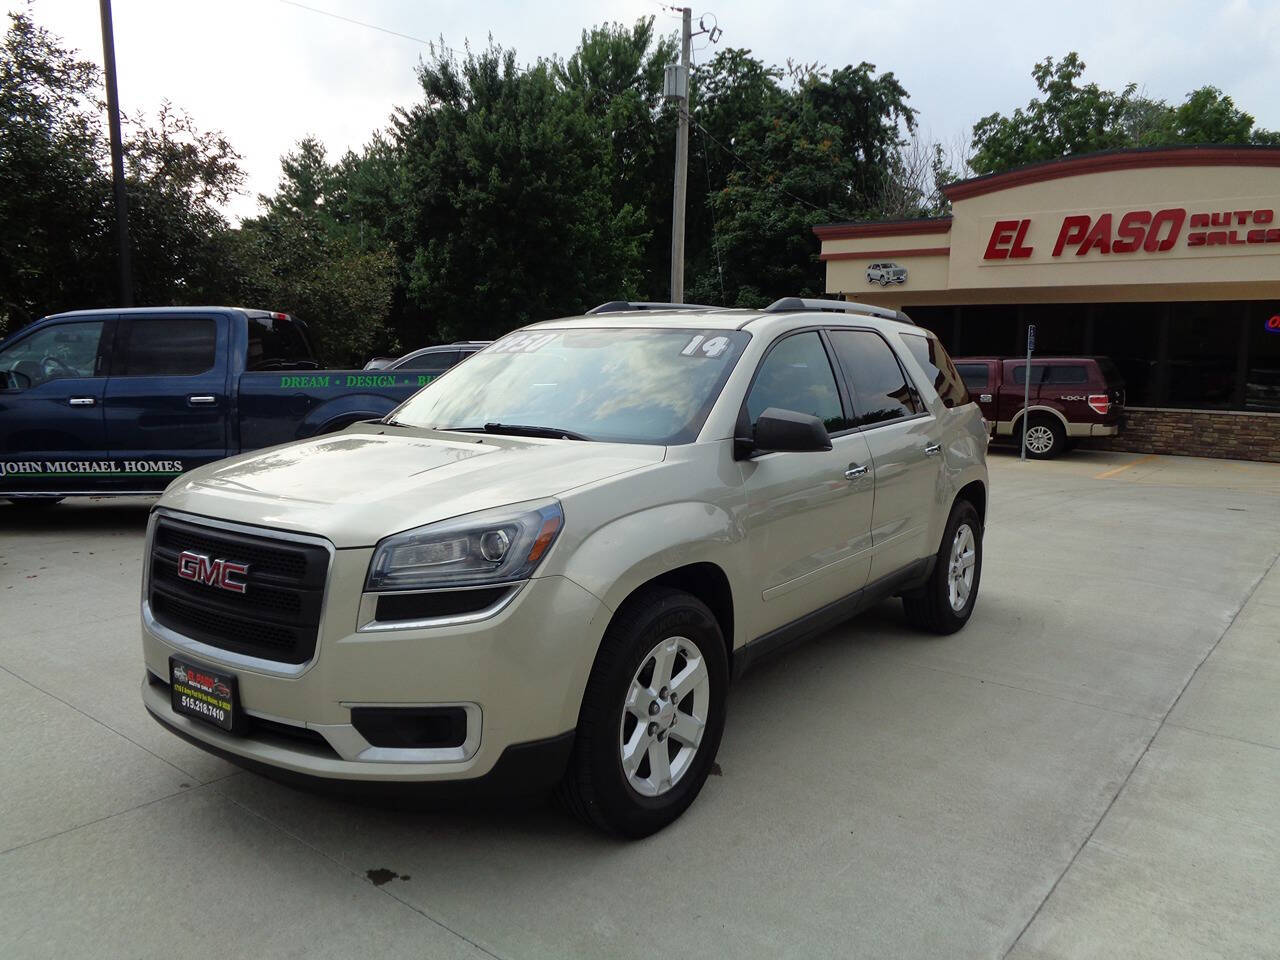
(1090, 769)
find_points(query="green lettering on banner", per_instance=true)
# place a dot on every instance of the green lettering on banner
(303, 382)
(425, 378)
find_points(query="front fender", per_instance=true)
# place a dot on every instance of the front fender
(342, 411)
(619, 557)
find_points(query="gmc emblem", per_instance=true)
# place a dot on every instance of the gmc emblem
(213, 573)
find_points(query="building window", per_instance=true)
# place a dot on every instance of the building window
(1262, 377)
(1129, 333)
(1204, 348)
(1059, 327)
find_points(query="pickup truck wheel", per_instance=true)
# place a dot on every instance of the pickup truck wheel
(651, 717)
(38, 503)
(1045, 438)
(944, 604)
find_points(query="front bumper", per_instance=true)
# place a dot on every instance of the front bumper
(520, 674)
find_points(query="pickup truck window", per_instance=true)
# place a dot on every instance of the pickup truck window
(1020, 374)
(276, 343)
(625, 385)
(880, 389)
(169, 346)
(1066, 373)
(796, 375)
(975, 376)
(63, 350)
(929, 353)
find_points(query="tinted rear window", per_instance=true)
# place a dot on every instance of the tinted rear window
(437, 360)
(174, 347)
(1066, 373)
(879, 387)
(276, 343)
(930, 354)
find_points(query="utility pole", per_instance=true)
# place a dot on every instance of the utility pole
(117, 153)
(676, 87)
(682, 158)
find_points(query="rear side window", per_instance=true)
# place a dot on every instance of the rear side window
(976, 376)
(276, 343)
(1020, 374)
(937, 365)
(797, 376)
(174, 347)
(437, 361)
(879, 387)
(1065, 373)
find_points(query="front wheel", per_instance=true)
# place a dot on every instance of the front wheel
(651, 717)
(945, 603)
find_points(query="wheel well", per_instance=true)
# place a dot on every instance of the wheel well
(708, 583)
(976, 494)
(1039, 413)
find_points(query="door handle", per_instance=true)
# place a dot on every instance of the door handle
(932, 449)
(854, 472)
(202, 399)
(82, 401)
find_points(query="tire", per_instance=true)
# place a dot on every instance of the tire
(1045, 438)
(38, 503)
(932, 607)
(596, 787)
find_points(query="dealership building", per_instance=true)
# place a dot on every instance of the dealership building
(1166, 260)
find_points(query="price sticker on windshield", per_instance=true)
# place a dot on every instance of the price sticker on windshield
(523, 342)
(702, 345)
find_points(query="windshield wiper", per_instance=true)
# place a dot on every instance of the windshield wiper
(521, 430)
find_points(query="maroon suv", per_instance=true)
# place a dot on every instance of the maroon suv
(1071, 397)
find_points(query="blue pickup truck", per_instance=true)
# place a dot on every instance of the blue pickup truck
(121, 401)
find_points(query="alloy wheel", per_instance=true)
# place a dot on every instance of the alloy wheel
(960, 568)
(1039, 438)
(664, 716)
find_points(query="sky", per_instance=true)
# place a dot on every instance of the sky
(268, 72)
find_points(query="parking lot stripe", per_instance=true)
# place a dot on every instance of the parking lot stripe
(1133, 463)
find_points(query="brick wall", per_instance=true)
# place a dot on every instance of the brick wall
(1197, 433)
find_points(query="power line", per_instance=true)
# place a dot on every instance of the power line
(360, 23)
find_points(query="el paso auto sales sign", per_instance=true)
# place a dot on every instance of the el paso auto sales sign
(1115, 234)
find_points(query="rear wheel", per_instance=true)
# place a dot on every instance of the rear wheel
(651, 717)
(945, 603)
(1045, 438)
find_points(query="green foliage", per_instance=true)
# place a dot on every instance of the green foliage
(788, 158)
(1073, 118)
(57, 213)
(508, 182)
(303, 257)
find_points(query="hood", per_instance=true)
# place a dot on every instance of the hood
(371, 480)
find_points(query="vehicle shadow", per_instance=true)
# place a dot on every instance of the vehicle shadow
(91, 514)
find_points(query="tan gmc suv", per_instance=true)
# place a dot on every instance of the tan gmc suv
(544, 568)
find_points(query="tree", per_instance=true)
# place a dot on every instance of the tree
(302, 257)
(57, 212)
(796, 156)
(1072, 118)
(507, 182)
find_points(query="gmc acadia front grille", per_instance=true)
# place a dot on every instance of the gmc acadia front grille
(276, 617)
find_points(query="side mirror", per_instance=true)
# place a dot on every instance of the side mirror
(784, 431)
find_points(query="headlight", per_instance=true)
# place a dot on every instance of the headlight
(493, 546)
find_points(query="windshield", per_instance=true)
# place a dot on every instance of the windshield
(614, 384)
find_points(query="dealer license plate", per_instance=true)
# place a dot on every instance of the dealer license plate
(205, 694)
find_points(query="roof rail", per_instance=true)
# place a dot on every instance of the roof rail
(618, 306)
(791, 304)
